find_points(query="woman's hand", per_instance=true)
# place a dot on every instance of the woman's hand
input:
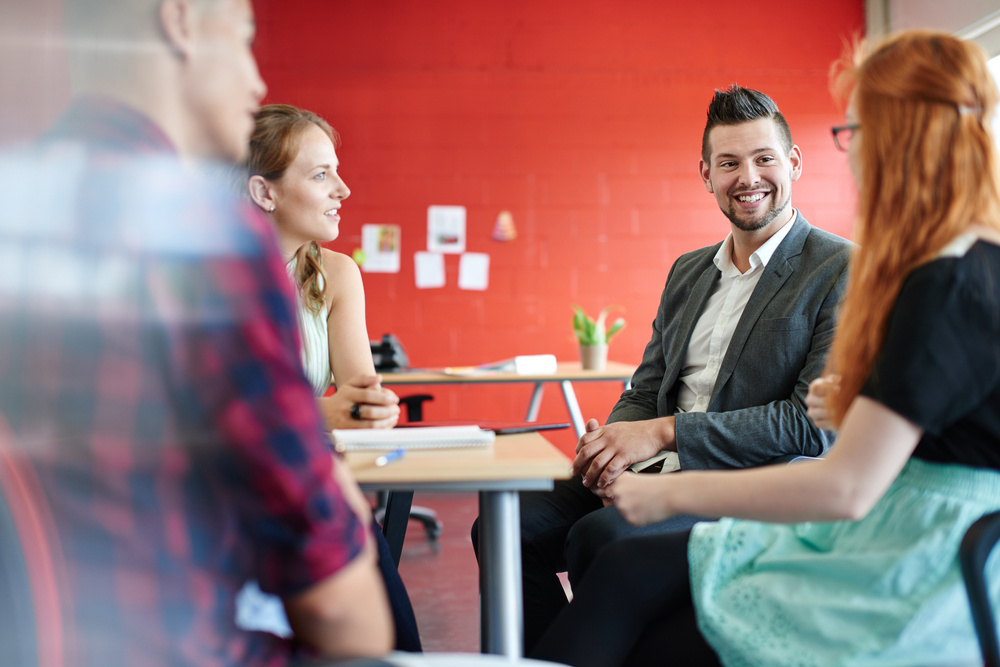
(378, 407)
(642, 499)
(821, 390)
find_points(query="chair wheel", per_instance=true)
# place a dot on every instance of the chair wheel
(433, 531)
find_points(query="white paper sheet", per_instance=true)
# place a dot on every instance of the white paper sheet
(474, 271)
(381, 244)
(429, 269)
(446, 229)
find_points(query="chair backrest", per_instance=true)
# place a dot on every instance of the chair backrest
(973, 553)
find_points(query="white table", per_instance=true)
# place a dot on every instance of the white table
(567, 372)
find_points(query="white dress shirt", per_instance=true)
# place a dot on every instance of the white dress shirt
(714, 330)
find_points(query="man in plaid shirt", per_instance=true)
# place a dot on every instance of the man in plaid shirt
(159, 444)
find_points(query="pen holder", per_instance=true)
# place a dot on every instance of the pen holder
(594, 357)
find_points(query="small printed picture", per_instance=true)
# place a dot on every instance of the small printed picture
(381, 247)
(446, 229)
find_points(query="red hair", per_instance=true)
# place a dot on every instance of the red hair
(928, 170)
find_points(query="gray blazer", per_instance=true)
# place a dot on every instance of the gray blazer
(757, 411)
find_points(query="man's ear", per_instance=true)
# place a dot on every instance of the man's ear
(795, 161)
(177, 23)
(260, 193)
(704, 170)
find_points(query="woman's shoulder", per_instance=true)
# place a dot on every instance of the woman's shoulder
(338, 264)
(967, 281)
(343, 278)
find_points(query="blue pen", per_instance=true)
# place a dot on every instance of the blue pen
(386, 459)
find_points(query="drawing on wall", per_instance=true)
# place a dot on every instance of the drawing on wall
(381, 247)
(446, 229)
(504, 229)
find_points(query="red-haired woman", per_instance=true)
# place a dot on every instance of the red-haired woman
(851, 559)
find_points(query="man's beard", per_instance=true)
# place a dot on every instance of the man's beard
(756, 225)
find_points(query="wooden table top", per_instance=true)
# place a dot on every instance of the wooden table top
(566, 370)
(523, 456)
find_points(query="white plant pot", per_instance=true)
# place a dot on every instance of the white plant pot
(594, 357)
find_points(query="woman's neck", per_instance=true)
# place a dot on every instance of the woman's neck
(985, 232)
(288, 247)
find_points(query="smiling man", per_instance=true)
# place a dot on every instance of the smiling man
(742, 328)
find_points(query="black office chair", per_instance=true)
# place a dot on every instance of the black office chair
(394, 509)
(973, 553)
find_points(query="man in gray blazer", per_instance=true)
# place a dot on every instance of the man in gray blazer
(742, 328)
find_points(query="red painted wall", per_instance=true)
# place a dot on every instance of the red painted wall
(582, 118)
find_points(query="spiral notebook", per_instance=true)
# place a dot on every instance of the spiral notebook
(431, 437)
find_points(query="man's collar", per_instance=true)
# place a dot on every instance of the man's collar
(759, 257)
(111, 125)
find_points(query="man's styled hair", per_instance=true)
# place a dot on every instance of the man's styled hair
(738, 105)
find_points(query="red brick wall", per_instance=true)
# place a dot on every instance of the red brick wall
(582, 118)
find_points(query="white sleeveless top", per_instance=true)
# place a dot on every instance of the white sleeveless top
(315, 338)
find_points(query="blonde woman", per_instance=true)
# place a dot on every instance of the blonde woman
(294, 180)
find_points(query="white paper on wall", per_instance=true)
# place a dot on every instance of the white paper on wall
(474, 271)
(429, 269)
(446, 229)
(381, 245)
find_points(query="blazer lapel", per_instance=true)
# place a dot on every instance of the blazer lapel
(777, 272)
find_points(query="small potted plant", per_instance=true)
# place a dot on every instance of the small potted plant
(593, 337)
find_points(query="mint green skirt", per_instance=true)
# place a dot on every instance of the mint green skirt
(886, 590)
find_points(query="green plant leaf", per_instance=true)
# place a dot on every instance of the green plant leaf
(618, 325)
(591, 332)
(599, 337)
(583, 326)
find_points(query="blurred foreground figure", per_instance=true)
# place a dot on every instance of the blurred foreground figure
(159, 444)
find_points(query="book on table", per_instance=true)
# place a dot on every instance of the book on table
(431, 437)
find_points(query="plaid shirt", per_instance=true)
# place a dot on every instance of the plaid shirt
(150, 373)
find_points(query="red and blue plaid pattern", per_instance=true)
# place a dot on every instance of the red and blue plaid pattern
(150, 374)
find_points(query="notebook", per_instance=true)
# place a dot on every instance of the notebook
(431, 437)
(498, 427)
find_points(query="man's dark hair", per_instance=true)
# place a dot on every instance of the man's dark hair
(738, 105)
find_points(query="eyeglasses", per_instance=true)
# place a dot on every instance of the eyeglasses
(842, 135)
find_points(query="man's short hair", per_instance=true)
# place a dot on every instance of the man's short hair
(738, 105)
(111, 20)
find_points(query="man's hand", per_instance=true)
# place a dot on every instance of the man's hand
(642, 499)
(378, 407)
(604, 452)
(821, 390)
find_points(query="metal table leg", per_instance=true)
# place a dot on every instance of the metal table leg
(501, 609)
(536, 402)
(574, 408)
